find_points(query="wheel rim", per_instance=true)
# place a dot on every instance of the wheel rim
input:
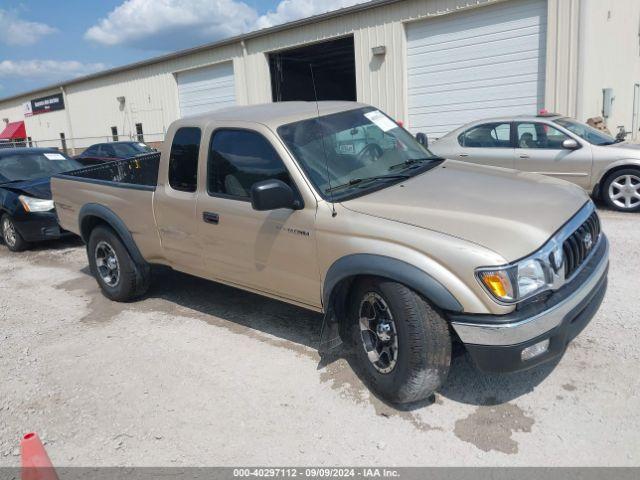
(624, 191)
(107, 264)
(9, 232)
(378, 332)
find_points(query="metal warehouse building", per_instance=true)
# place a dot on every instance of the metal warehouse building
(433, 64)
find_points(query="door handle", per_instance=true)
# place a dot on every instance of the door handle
(463, 155)
(209, 217)
(524, 155)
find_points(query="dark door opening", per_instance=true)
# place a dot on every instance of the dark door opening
(334, 70)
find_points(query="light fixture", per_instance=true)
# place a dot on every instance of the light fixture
(379, 50)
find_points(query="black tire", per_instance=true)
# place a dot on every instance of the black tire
(423, 342)
(10, 235)
(608, 191)
(132, 279)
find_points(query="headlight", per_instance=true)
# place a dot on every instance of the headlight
(31, 204)
(526, 278)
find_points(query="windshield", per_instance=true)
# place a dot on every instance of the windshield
(346, 152)
(29, 166)
(584, 131)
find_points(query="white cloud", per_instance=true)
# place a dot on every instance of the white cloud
(289, 10)
(47, 68)
(175, 24)
(171, 24)
(16, 31)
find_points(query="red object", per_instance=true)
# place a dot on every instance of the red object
(35, 462)
(544, 111)
(400, 123)
(13, 130)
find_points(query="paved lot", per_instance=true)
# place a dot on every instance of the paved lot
(202, 374)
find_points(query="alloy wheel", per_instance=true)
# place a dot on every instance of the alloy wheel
(9, 232)
(107, 264)
(378, 332)
(624, 191)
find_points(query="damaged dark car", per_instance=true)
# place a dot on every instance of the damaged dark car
(27, 213)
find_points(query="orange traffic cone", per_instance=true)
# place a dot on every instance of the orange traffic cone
(35, 461)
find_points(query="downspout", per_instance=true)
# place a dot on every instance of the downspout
(582, 56)
(68, 117)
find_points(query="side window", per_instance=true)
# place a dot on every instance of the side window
(539, 135)
(93, 150)
(183, 159)
(240, 158)
(108, 151)
(488, 135)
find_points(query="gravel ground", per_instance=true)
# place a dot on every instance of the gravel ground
(202, 374)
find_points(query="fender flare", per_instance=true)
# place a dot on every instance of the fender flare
(393, 269)
(112, 220)
(618, 164)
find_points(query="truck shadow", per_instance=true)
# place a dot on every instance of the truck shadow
(247, 312)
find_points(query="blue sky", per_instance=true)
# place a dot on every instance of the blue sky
(44, 42)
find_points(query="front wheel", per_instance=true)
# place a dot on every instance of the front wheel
(402, 345)
(621, 190)
(11, 236)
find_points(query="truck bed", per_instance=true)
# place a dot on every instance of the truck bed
(126, 187)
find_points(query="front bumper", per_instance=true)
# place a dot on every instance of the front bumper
(39, 226)
(496, 342)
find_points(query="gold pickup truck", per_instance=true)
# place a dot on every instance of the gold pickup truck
(335, 208)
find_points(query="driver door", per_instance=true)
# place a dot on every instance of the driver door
(269, 251)
(539, 150)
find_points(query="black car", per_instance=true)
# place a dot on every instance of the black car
(26, 208)
(108, 152)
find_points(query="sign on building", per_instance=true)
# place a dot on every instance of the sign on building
(46, 104)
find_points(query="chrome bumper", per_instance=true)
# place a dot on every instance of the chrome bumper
(504, 334)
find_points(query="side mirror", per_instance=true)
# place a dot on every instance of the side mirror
(570, 144)
(422, 139)
(271, 195)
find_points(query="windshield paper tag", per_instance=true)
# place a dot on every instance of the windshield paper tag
(381, 120)
(54, 156)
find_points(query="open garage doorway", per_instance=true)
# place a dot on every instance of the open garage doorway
(334, 69)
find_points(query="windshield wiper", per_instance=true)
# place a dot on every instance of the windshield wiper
(359, 181)
(11, 181)
(411, 162)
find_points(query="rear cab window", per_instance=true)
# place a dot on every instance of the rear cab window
(183, 159)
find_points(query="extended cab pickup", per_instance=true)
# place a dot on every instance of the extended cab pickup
(338, 209)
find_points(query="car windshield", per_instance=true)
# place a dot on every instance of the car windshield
(346, 152)
(584, 131)
(29, 166)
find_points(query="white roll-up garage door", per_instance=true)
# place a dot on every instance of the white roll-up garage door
(480, 63)
(206, 89)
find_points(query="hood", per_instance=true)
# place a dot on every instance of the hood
(38, 188)
(622, 150)
(511, 213)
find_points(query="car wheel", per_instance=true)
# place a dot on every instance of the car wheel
(402, 345)
(621, 190)
(12, 238)
(118, 276)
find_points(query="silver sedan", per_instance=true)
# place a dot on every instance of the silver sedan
(552, 145)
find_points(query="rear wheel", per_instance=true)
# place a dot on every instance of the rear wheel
(119, 277)
(402, 345)
(12, 238)
(621, 190)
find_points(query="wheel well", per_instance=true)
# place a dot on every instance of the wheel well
(89, 223)
(609, 173)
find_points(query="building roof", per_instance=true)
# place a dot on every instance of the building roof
(13, 131)
(227, 41)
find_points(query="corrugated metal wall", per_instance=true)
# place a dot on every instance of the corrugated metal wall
(151, 91)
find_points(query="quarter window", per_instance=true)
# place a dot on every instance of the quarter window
(488, 135)
(540, 135)
(240, 158)
(183, 160)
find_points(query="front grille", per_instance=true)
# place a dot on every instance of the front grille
(579, 245)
